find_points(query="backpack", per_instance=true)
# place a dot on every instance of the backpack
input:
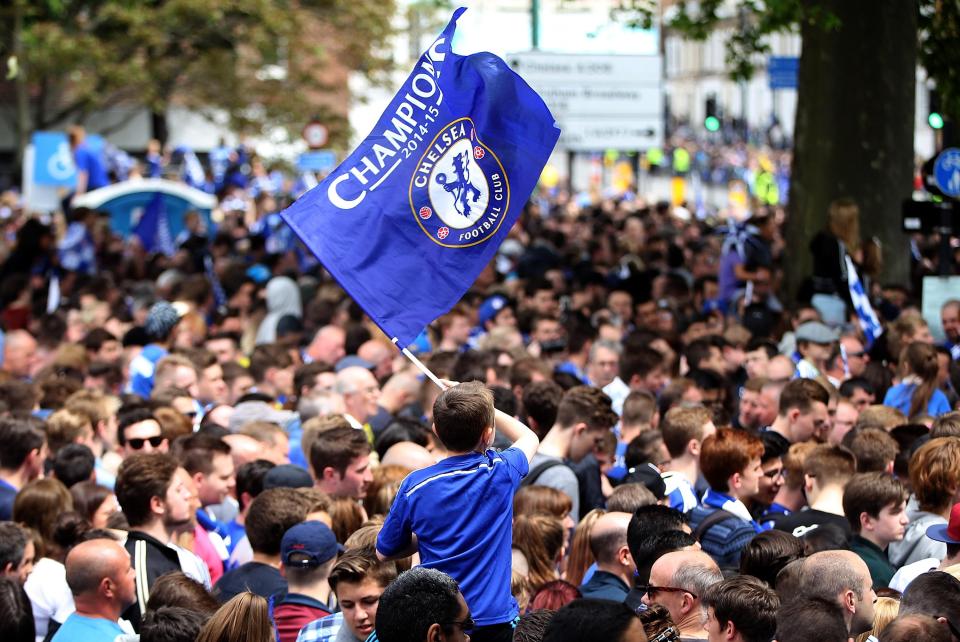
(711, 520)
(538, 470)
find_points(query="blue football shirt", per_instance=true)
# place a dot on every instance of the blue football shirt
(461, 510)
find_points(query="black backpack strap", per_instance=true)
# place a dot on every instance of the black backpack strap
(710, 521)
(538, 470)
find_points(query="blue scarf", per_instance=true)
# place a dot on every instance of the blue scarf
(733, 506)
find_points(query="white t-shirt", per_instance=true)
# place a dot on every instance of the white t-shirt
(49, 595)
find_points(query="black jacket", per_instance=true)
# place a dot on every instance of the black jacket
(150, 558)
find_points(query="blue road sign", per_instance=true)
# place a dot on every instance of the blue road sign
(946, 172)
(783, 71)
(53, 160)
(317, 161)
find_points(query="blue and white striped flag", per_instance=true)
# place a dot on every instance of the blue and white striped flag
(869, 322)
(219, 295)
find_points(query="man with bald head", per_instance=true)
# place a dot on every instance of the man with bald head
(678, 582)
(841, 576)
(409, 455)
(328, 345)
(244, 449)
(101, 579)
(19, 354)
(615, 566)
(381, 355)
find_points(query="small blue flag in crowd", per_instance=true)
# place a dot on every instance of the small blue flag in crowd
(153, 228)
(869, 322)
(409, 220)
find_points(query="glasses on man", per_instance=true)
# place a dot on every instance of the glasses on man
(466, 625)
(137, 442)
(652, 590)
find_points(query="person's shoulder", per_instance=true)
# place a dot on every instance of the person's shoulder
(445, 465)
(939, 403)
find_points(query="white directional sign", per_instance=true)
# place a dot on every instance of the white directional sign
(600, 102)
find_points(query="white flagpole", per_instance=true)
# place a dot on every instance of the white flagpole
(419, 364)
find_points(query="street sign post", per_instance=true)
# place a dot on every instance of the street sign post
(316, 134)
(600, 102)
(48, 171)
(946, 172)
(783, 72)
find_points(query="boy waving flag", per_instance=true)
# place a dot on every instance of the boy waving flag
(407, 222)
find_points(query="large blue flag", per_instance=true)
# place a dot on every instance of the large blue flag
(407, 222)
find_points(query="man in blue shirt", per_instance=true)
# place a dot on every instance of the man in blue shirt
(615, 567)
(91, 170)
(459, 512)
(102, 582)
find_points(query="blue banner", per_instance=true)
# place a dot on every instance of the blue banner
(408, 221)
(783, 71)
(317, 161)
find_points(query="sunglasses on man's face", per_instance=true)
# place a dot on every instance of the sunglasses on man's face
(137, 442)
(652, 590)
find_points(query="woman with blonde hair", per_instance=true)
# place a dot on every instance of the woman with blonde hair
(918, 392)
(245, 618)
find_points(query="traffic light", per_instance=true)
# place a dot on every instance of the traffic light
(935, 117)
(711, 122)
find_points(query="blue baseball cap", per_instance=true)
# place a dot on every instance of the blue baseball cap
(308, 545)
(491, 307)
(948, 533)
(287, 476)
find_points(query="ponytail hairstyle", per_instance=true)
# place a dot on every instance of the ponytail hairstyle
(920, 360)
(540, 538)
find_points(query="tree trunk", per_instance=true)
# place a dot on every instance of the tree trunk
(158, 124)
(854, 129)
(20, 83)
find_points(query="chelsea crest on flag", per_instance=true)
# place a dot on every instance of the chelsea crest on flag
(408, 221)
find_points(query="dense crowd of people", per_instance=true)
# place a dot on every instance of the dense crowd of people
(636, 437)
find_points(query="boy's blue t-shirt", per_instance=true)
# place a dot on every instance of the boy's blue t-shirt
(461, 510)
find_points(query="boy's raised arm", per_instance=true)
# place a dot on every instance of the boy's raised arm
(517, 432)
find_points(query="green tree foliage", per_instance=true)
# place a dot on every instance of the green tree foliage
(855, 115)
(255, 60)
